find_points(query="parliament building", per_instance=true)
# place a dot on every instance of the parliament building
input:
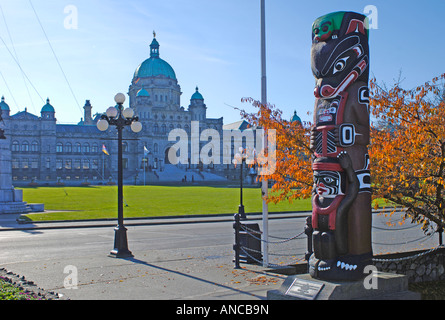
(45, 152)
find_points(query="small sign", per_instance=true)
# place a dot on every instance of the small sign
(304, 289)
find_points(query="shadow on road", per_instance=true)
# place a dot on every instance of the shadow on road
(132, 259)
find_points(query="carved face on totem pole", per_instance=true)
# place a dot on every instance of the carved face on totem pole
(341, 202)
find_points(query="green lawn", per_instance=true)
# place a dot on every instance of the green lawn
(98, 202)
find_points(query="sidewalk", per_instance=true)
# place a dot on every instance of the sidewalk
(199, 272)
(195, 273)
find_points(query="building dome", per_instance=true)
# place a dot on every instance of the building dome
(197, 95)
(47, 107)
(154, 66)
(295, 118)
(4, 105)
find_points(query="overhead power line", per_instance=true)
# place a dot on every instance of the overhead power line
(55, 56)
(17, 56)
(23, 72)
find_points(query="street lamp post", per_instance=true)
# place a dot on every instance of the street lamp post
(241, 158)
(120, 118)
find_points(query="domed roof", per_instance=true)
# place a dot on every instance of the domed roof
(295, 118)
(47, 107)
(154, 66)
(4, 105)
(142, 93)
(197, 95)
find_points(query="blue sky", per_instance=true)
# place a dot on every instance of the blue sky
(212, 44)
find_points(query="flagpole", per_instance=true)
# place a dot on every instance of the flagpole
(264, 184)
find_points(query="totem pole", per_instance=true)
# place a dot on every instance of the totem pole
(341, 198)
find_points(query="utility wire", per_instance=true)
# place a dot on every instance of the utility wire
(17, 56)
(23, 72)
(55, 56)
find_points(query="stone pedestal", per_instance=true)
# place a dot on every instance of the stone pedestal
(11, 200)
(383, 286)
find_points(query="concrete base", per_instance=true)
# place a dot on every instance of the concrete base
(382, 286)
(13, 207)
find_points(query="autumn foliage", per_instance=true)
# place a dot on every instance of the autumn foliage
(407, 150)
(292, 176)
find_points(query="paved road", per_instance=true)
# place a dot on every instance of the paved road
(171, 261)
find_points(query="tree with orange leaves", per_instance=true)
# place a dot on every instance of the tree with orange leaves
(407, 150)
(292, 176)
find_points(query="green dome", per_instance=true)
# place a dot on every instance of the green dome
(4, 105)
(143, 93)
(154, 66)
(47, 107)
(197, 95)
(295, 118)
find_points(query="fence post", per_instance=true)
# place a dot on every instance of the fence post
(308, 231)
(236, 246)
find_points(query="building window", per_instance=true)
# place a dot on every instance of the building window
(34, 164)
(156, 129)
(95, 164)
(48, 163)
(86, 164)
(15, 146)
(25, 164)
(34, 146)
(68, 147)
(59, 147)
(77, 164)
(15, 164)
(94, 148)
(86, 148)
(68, 164)
(25, 146)
(78, 148)
(124, 147)
(164, 128)
(59, 164)
(125, 163)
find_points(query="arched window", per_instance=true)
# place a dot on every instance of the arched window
(94, 148)
(155, 148)
(78, 148)
(34, 146)
(15, 146)
(59, 147)
(25, 146)
(124, 147)
(68, 147)
(156, 129)
(164, 128)
(86, 148)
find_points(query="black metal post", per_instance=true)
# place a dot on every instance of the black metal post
(120, 232)
(241, 206)
(440, 231)
(308, 230)
(120, 118)
(237, 245)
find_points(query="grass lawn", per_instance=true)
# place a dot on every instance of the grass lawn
(99, 202)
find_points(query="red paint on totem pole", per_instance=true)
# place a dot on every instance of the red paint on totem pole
(331, 211)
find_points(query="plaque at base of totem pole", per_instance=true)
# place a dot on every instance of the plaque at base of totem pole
(341, 197)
